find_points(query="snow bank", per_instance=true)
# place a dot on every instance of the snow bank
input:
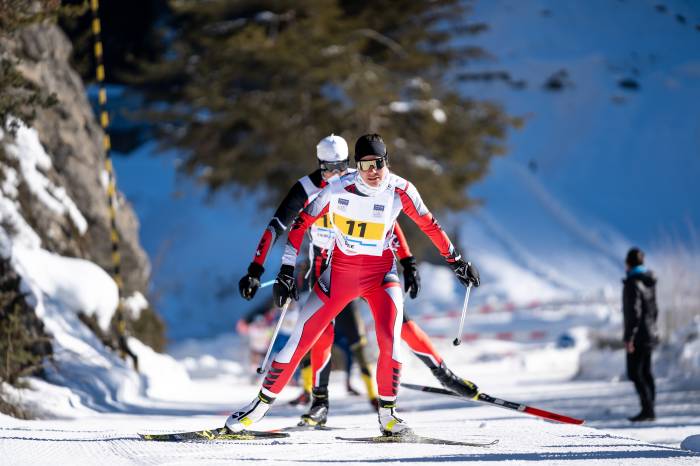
(75, 285)
(603, 364)
(691, 443)
(678, 360)
(682, 355)
(134, 304)
(165, 377)
(84, 374)
(33, 161)
(88, 374)
(207, 358)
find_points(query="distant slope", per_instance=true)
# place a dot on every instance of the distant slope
(534, 246)
(597, 167)
(629, 159)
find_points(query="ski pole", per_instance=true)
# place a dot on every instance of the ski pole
(484, 398)
(274, 335)
(267, 283)
(458, 340)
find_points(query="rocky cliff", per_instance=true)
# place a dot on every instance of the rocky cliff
(71, 135)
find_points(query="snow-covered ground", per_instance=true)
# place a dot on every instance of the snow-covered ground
(544, 353)
(539, 376)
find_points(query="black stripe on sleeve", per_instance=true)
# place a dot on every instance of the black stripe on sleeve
(289, 208)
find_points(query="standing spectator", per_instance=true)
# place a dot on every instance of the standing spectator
(641, 335)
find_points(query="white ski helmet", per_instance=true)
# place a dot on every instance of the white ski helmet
(332, 149)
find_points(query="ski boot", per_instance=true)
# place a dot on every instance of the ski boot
(451, 381)
(318, 412)
(645, 415)
(389, 424)
(256, 410)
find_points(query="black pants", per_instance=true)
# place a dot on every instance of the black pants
(349, 325)
(639, 372)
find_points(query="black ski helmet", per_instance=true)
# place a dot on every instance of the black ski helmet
(370, 144)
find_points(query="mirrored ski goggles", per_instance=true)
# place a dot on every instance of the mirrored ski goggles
(334, 166)
(377, 164)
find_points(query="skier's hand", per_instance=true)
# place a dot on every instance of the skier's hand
(285, 286)
(629, 346)
(249, 284)
(466, 272)
(411, 278)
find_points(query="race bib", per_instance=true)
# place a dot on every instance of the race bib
(361, 223)
(322, 232)
(359, 230)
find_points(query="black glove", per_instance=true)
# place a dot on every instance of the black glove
(411, 278)
(249, 284)
(285, 286)
(466, 272)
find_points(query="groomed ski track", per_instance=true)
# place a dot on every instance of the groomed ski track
(607, 438)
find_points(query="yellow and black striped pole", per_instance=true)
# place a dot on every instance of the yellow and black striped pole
(111, 182)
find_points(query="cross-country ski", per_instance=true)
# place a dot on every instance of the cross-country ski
(220, 433)
(414, 438)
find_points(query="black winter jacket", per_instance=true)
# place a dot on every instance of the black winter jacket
(640, 310)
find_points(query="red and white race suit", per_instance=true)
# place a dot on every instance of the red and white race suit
(321, 236)
(361, 265)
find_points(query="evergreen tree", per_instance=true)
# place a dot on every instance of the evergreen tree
(249, 87)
